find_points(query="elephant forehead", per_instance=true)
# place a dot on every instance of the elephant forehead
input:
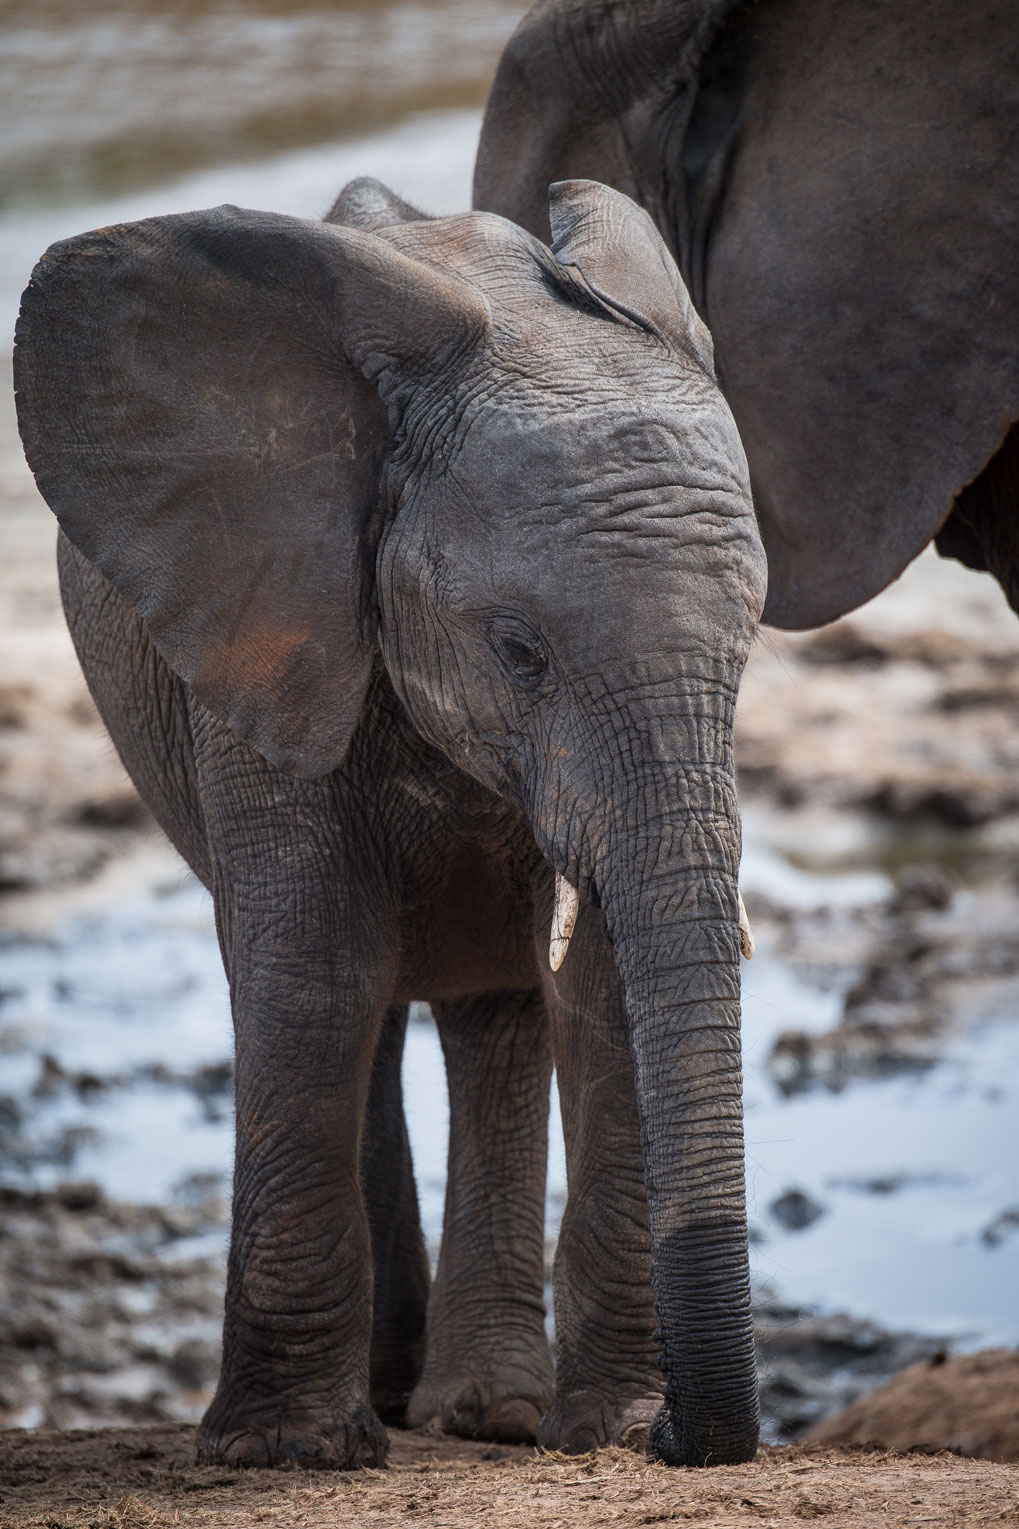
(481, 245)
(624, 454)
(547, 532)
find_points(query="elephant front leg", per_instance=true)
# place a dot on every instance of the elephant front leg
(488, 1371)
(308, 990)
(608, 1384)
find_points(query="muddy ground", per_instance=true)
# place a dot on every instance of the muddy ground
(106, 1317)
(136, 1478)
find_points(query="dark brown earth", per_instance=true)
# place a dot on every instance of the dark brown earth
(969, 1404)
(141, 1477)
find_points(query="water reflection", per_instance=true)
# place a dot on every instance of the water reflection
(114, 1029)
(99, 100)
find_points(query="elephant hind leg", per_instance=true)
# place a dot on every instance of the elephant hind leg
(488, 1370)
(400, 1298)
(983, 529)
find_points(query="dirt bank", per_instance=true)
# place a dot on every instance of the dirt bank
(969, 1405)
(143, 1478)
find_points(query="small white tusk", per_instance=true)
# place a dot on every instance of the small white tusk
(564, 917)
(746, 938)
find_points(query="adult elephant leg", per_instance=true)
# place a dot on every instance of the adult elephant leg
(608, 1384)
(398, 1246)
(302, 928)
(488, 1371)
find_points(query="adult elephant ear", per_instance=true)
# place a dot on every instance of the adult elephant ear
(625, 261)
(207, 401)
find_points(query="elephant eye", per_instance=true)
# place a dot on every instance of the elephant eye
(520, 650)
(524, 660)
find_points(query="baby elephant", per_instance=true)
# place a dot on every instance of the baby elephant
(412, 564)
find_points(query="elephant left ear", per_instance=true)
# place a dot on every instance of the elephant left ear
(624, 259)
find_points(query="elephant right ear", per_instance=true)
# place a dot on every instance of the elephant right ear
(625, 261)
(203, 401)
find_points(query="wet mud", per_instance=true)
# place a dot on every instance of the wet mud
(110, 1313)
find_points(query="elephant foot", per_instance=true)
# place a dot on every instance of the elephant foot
(471, 1408)
(355, 1443)
(393, 1378)
(584, 1421)
(390, 1404)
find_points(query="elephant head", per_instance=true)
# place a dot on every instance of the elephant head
(506, 473)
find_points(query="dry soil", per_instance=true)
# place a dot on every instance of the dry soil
(141, 1477)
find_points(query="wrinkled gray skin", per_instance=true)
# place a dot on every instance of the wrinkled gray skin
(847, 225)
(409, 562)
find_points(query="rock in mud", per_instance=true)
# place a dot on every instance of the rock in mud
(1006, 1224)
(812, 1366)
(922, 887)
(858, 1049)
(795, 1210)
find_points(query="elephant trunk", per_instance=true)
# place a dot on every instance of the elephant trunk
(671, 904)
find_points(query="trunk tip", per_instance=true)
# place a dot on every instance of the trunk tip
(674, 1445)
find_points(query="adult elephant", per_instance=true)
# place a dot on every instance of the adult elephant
(840, 187)
(413, 568)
